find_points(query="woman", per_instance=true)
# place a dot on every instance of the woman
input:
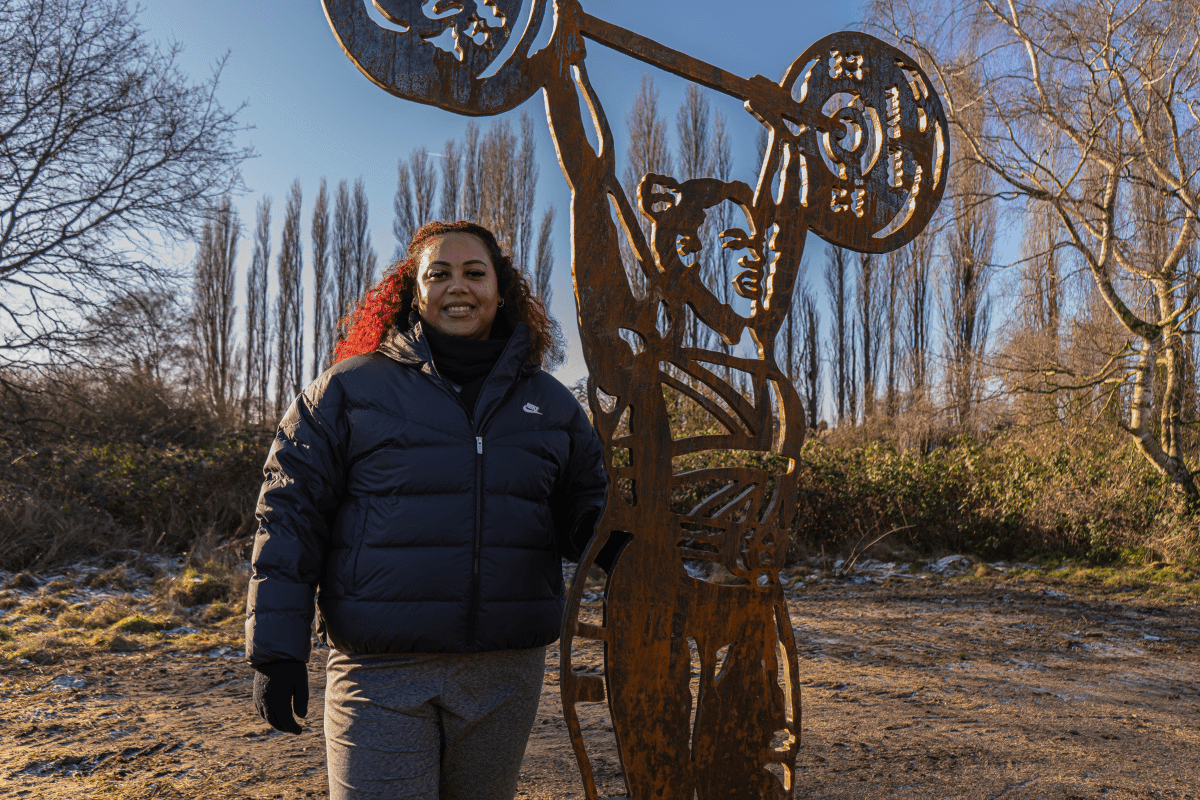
(423, 490)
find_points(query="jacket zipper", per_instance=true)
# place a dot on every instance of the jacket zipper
(477, 544)
(478, 541)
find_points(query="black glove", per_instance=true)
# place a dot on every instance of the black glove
(280, 686)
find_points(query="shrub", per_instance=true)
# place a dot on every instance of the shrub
(61, 500)
(1086, 496)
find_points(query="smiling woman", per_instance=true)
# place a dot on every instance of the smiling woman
(437, 605)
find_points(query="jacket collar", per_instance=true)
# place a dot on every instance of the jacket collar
(411, 348)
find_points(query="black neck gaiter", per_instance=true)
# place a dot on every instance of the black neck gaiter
(466, 362)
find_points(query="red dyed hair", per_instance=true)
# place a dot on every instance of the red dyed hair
(386, 305)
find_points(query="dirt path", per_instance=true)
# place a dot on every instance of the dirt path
(991, 688)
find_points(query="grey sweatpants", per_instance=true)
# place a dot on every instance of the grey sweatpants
(430, 727)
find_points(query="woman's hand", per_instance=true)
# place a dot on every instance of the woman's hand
(280, 687)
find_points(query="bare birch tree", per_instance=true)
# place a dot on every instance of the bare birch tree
(1118, 84)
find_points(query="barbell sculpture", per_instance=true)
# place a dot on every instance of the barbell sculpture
(858, 153)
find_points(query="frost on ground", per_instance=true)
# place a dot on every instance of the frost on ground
(928, 680)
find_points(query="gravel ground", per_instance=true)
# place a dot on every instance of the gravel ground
(1014, 684)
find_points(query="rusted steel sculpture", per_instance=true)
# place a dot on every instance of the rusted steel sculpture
(858, 154)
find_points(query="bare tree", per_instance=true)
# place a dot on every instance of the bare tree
(1118, 87)
(258, 348)
(469, 200)
(404, 223)
(966, 311)
(544, 263)
(525, 180)
(344, 271)
(213, 307)
(491, 180)
(852, 378)
(917, 298)
(424, 178)
(722, 169)
(837, 267)
(649, 151)
(868, 328)
(696, 156)
(451, 167)
(289, 369)
(416, 188)
(105, 149)
(362, 252)
(503, 185)
(810, 357)
(146, 333)
(322, 321)
(893, 277)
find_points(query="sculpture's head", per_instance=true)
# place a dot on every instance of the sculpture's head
(677, 211)
(466, 56)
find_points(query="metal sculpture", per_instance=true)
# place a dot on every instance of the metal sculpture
(858, 154)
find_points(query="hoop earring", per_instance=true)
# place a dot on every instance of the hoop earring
(414, 302)
(500, 303)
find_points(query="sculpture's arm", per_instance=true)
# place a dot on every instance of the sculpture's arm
(595, 190)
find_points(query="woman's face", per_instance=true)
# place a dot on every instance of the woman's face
(457, 292)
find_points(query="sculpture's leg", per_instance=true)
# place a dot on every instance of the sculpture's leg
(744, 702)
(648, 667)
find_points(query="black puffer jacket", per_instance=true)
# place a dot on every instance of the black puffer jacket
(426, 532)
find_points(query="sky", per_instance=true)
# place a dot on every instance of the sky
(311, 113)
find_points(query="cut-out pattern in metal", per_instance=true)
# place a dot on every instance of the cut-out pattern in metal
(857, 153)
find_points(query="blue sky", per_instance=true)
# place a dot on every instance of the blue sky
(313, 114)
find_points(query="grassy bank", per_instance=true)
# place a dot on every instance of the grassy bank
(1081, 495)
(1076, 494)
(70, 498)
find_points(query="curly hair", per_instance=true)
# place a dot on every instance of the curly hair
(386, 305)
